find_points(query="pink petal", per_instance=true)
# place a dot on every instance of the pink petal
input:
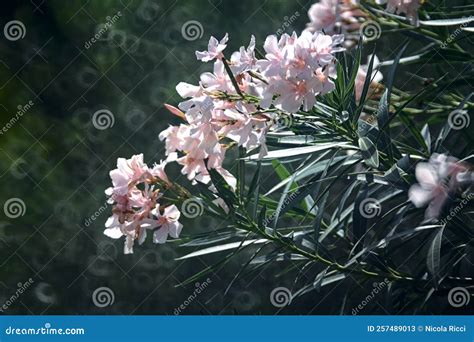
(419, 196)
(426, 175)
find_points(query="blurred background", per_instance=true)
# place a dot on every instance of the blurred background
(67, 61)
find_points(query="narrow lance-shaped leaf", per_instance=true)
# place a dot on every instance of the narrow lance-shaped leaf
(318, 220)
(434, 256)
(369, 152)
(223, 189)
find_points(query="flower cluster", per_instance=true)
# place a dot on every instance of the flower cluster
(298, 69)
(333, 15)
(409, 7)
(134, 195)
(439, 178)
(336, 16)
(242, 98)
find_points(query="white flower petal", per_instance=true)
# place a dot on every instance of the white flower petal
(419, 196)
(114, 233)
(160, 235)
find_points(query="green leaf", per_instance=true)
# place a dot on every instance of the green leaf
(254, 189)
(369, 152)
(447, 22)
(425, 133)
(392, 72)
(210, 238)
(279, 257)
(262, 217)
(434, 256)
(318, 281)
(242, 269)
(220, 248)
(241, 173)
(383, 120)
(283, 173)
(319, 219)
(291, 152)
(223, 189)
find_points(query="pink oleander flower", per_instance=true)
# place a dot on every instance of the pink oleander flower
(167, 222)
(409, 7)
(437, 179)
(336, 16)
(127, 172)
(134, 199)
(361, 76)
(216, 80)
(214, 49)
(244, 59)
(297, 69)
(323, 15)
